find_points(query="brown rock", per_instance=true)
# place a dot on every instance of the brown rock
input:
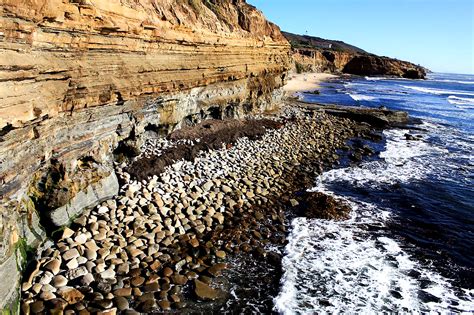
(57, 304)
(204, 291)
(194, 242)
(71, 295)
(322, 206)
(152, 287)
(37, 307)
(216, 270)
(137, 281)
(179, 279)
(64, 92)
(221, 254)
(111, 311)
(121, 302)
(123, 292)
(59, 281)
(155, 265)
(53, 266)
(148, 306)
(167, 272)
(165, 305)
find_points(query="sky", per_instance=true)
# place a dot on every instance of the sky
(438, 34)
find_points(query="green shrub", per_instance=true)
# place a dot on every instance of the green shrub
(299, 67)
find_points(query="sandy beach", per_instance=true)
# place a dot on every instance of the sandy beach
(305, 81)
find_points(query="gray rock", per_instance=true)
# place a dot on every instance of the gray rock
(108, 274)
(53, 266)
(76, 273)
(59, 281)
(94, 194)
(70, 254)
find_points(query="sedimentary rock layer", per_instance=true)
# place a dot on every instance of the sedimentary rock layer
(321, 55)
(80, 80)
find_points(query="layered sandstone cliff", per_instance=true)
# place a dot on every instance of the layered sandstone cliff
(321, 55)
(83, 80)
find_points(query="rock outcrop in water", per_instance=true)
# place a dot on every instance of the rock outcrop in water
(322, 55)
(81, 81)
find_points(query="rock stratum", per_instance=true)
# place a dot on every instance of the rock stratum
(322, 55)
(83, 82)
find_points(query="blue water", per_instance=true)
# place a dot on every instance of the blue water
(409, 245)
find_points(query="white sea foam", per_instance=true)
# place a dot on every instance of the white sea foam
(437, 91)
(375, 78)
(461, 102)
(402, 161)
(359, 97)
(339, 267)
(336, 267)
(455, 81)
(386, 78)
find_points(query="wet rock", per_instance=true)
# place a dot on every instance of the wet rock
(321, 206)
(148, 306)
(165, 305)
(427, 297)
(294, 202)
(204, 291)
(396, 294)
(179, 279)
(220, 254)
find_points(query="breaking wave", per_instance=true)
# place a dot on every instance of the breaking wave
(437, 91)
(359, 97)
(356, 265)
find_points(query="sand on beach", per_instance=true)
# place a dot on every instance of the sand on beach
(303, 82)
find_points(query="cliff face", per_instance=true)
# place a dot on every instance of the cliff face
(374, 65)
(83, 80)
(321, 55)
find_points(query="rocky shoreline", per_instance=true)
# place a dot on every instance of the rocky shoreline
(205, 231)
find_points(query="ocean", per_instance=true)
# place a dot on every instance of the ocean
(409, 244)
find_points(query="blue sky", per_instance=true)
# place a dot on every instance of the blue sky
(438, 34)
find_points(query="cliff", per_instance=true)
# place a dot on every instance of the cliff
(83, 82)
(322, 55)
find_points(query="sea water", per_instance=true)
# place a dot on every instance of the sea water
(409, 244)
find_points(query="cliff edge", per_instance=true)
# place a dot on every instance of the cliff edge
(83, 83)
(323, 55)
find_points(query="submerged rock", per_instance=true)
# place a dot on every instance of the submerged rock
(317, 205)
(204, 291)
